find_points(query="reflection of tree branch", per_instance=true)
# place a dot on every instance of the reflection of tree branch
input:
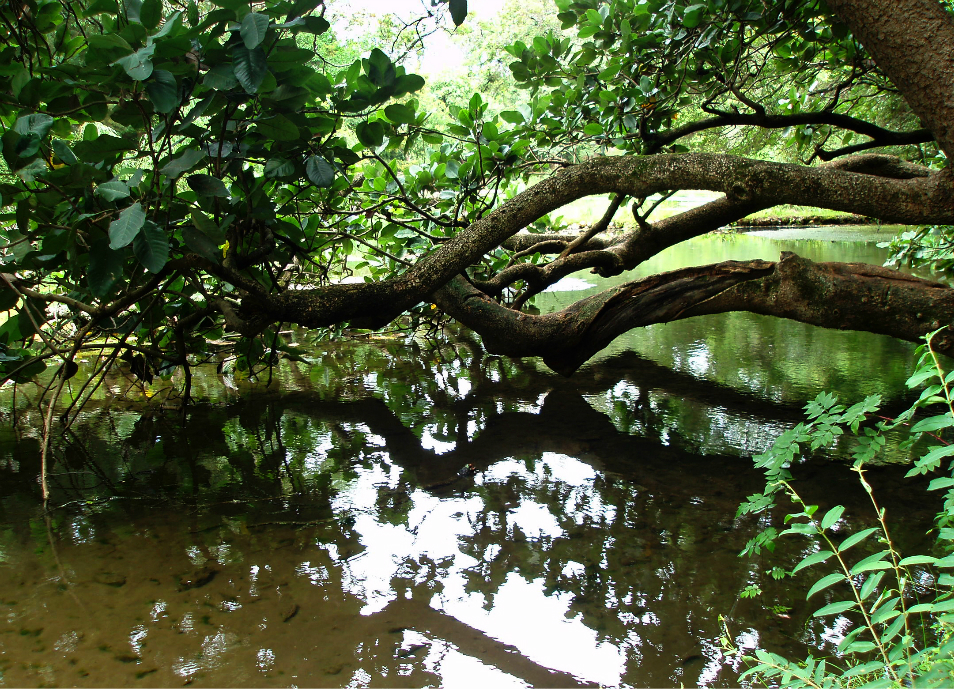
(416, 613)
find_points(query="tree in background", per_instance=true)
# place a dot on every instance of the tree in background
(180, 171)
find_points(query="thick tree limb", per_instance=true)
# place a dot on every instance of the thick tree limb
(831, 295)
(912, 41)
(646, 241)
(757, 184)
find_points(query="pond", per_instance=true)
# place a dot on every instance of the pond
(405, 513)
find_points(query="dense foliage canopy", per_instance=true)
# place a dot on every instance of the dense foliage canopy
(178, 171)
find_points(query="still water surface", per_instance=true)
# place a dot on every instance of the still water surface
(404, 514)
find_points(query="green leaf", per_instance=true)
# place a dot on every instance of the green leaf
(207, 185)
(207, 226)
(320, 172)
(198, 241)
(459, 11)
(893, 630)
(109, 42)
(114, 190)
(100, 148)
(825, 582)
(125, 228)
(917, 560)
(139, 65)
(875, 561)
(400, 113)
(933, 423)
(277, 128)
(593, 129)
(407, 83)
(221, 77)
(38, 124)
(106, 267)
(832, 516)
(371, 134)
(870, 584)
(834, 608)
(189, 159)
(253, 29)
(64, 152)
(279, 167)
(150, 13)
(316, 25)
(249, 67)
(163, 91)
(856, 538)
(151, 247)
(813, 559)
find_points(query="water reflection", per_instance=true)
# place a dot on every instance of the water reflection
(334, 543)
(415, 514)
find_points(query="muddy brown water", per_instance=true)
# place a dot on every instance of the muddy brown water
(402, 513)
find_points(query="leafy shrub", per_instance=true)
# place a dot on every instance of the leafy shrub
(895, 640)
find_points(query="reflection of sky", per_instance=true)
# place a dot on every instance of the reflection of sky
(541, 626)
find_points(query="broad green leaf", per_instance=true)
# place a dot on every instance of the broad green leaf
(319, 171)
(124, 229)
(207, 226)
(316, 25)
(371, 134)
(834, 608)
(108, 42)
(151, 247)
(278, 128)
(199, 242)
(289, 58)
(825, 582)
(106, 267)
(163, 91)
(139, 65)
(933, 423)
(813, 559)
(185, 162)
(64, 152)
(173, 22)
(253, 29)
(249, 67)
(150, 13)
(221, 77)
(114, 190)
(279, 167)
(459, 11)
(832, 516)
(400, 113)
(207, 185)
(407, 83)
(856, 538)
(38, 124)
(593, 129)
